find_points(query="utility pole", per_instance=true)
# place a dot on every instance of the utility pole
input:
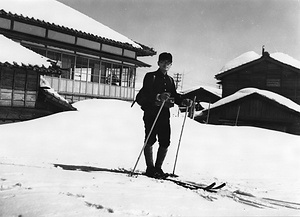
(177, 79)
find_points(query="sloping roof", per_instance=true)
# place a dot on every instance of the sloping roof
(44, 84)
(213, 90)
(251, 56)
(268, 94)
(53, 97)
(14, 53)
(286, 59)
(203, 94)
(240, 60)
(57, 13)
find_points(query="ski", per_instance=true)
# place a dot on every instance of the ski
(202, 185)
(169, 177)
(209, 187)
(212, 188)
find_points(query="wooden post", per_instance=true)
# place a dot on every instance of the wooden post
(237, 116)
(194, 108)
(208, 113)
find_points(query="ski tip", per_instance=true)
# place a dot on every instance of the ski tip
(220, 186)
(210, 186)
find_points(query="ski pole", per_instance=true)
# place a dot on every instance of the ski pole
(146, 141)
(186, 111)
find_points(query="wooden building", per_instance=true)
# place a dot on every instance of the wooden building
(202, 94)
(276, 72)
(96, 61)
(258, 90)
(254, 107)
(21, 95)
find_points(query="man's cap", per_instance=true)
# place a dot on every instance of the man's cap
(165, 56)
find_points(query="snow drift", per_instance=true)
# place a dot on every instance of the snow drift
(109, 134)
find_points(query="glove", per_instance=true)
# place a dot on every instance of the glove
(163, 96)
(187, 103)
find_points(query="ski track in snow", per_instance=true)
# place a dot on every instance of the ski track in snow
(61, 194)
(237, 195)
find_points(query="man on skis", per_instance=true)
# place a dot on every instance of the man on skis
(159, 89)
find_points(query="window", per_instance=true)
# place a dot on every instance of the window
(111, 49)
(6, 79)
(88, 69)
(56, 57)
(88, 43)
(19, 79)
(111, 73)
(94, 71)
(29, 29)
(58, 36)
(116, 74)
(273, 79)
(105, 72)
(82, 72)
(273, 82)
(67, 65)
(129, 53)
(127, 78)
(4, 23)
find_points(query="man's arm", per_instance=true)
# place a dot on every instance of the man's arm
(148, 85)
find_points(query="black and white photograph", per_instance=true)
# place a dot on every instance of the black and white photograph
(149, 108)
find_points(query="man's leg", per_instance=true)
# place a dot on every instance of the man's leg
(161, 155)
(164, 132)
(148, 153)
(148, 150)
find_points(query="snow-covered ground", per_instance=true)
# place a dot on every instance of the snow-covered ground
(109, 134)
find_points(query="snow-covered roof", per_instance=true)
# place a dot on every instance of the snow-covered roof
(60, 14)
(286, 59)
(47, 88)
(12, 52)
(211, 89)
(251, 56)
(268, 94)
(240, 60)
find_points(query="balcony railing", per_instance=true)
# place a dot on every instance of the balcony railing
(68, 87)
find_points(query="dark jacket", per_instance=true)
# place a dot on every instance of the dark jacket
(156, 83)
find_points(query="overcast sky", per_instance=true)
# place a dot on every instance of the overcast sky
(202, 35)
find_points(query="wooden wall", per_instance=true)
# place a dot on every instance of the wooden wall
(18, 87)
(256, 110)
(266, 75)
